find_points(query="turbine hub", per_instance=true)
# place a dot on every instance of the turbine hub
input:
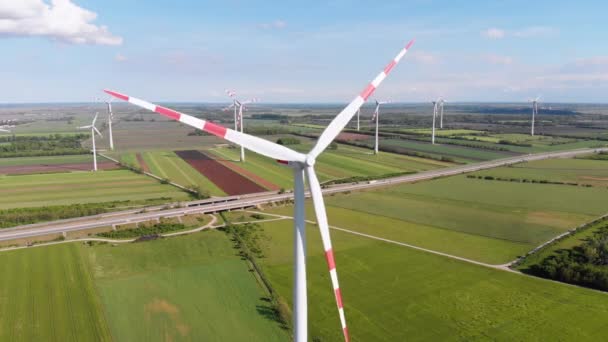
(310, 161)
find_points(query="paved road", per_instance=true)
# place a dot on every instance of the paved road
(247, 201)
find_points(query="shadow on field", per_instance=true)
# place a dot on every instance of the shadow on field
(269, 312)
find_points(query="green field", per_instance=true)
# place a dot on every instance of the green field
(48, 294)
(581, 171)
(169, 165)
(346, 161)
(488, 221)
(53, 160)
(458, 153)
(393, 293)
(20, 191)
(189, 288)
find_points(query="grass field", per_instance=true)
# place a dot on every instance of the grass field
(581, 171)
(488, 221)
(393, 293)
(346, 161)
(81, 187)
(190, 288)
(54, 160)
(168, 165)
(458, 153)
(47, 294)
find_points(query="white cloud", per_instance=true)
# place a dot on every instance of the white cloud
(277, 25)
(424, 57)
(498, 59)
(60, 20)
(493, 33)
(120, 57)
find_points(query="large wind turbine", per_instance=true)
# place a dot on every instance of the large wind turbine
(238, 118)
(534, 112)
(303, 166)
(376, 118)
(93, 131)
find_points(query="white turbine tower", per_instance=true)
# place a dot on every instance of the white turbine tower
(376, 118)
(534, 112)
(238, 114)
(93, 131)
(303, 166)
(441, 102)
(435, 105)
(110, 118)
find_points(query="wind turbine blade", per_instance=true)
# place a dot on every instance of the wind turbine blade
(4, 130)
(98, 132)
(230, 93)
(255, 144)
(94, 119)
(342, 119)
(319, 205)
(229, 107)
(83, 127)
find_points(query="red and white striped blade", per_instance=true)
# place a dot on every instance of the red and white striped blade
(336, 126)
(321, 214)
(250, 142)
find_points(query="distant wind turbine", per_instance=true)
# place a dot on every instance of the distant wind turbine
(238, 114)
(534, 112)
(93, 131)
(435, 105)
(441, 102)
(376, 118)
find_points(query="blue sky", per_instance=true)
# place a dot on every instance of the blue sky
(296, 51)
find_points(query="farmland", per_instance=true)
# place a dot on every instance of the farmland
(346, 161)
(183, 288)
(38, 190)
(488, 221)
(428, 297)
(166, 164)
(48, 294)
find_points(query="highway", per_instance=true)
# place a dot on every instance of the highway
(239, 202)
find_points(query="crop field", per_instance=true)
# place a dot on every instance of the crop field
(47, 294)
(579, 171)
(346, 161)
(52, 160)
(38, 190)
(193, 288)
(157, 135)
(393, 293)
(167, 164)
(458, 153)
(488, 221)
(230, 181)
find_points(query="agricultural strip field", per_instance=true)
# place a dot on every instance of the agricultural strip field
(345, 162)
(487, 221)
(144, 135)
(50, 160)
(222, 176)
(580, 171)
(394, 293)
(189, 288)
(38, 190)
(48, 294)
(166, 164)
(458, 153)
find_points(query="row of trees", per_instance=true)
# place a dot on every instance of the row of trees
(51, 145)
(585, 265)
(526, 180)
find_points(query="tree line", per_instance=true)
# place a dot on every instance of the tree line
(51, 145)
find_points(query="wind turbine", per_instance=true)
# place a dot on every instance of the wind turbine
(534, 111)
(376, 118)
(110, 117)
(93, 131)
(238, 118)
(303, 166)
(435, 103)
(441, 102)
